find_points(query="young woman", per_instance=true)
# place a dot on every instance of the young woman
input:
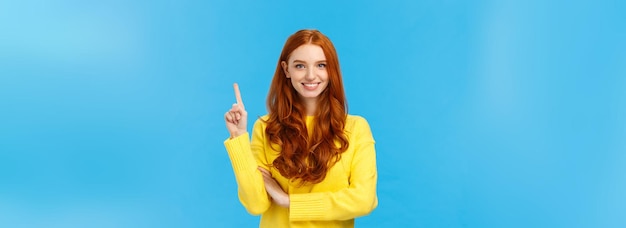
(309, 163)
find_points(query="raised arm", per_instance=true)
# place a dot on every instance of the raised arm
(245, 157)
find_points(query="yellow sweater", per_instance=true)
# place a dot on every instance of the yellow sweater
(347, 192)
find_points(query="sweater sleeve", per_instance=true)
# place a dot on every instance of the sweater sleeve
(245, 157)
(358, 199)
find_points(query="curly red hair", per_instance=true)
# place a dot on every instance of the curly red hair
(302, 156)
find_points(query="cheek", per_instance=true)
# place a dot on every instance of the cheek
(297, 74)
(324, 75)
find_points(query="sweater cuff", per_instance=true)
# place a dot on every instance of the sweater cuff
(236, 148)
(303, 207)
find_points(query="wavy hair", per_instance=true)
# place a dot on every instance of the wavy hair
(305, 157)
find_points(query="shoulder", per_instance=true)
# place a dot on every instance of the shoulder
(263, 118)
(261, 121)
(358, 128)
(356, 121)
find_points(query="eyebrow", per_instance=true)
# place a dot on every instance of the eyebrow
(302, 61)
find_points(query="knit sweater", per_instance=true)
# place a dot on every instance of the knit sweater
(348, 190)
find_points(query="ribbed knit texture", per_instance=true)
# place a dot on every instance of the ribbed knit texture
(307, 207)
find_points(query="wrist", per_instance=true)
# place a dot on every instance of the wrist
(237, 134)
(286, 200)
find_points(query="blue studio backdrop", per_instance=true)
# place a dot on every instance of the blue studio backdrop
(485, 113)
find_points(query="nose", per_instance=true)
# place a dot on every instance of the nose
(310, 74)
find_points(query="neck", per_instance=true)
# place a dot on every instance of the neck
(311, 106)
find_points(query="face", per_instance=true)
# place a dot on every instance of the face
(306, 67)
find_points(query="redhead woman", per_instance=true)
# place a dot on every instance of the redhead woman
(309, 163)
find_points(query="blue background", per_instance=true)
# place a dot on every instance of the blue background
(486, 113)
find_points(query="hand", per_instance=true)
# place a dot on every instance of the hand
(276, 192)
(237, 117)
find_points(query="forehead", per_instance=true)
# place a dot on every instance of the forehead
(308, 53)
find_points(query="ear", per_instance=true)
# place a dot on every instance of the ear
(284, 65)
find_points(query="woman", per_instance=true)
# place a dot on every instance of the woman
(309, 163)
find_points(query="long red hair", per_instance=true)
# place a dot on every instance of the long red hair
(303, 157)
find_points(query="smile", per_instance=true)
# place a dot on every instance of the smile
(311, 86)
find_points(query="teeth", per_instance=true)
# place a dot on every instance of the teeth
(310, 84)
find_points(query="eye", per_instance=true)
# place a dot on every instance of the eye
(321, 65)
(299, 66)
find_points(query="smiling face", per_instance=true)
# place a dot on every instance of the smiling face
(306, 67)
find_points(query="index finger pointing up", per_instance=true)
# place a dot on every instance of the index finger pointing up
(238, 95)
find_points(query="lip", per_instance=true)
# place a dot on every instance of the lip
(311, 86)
